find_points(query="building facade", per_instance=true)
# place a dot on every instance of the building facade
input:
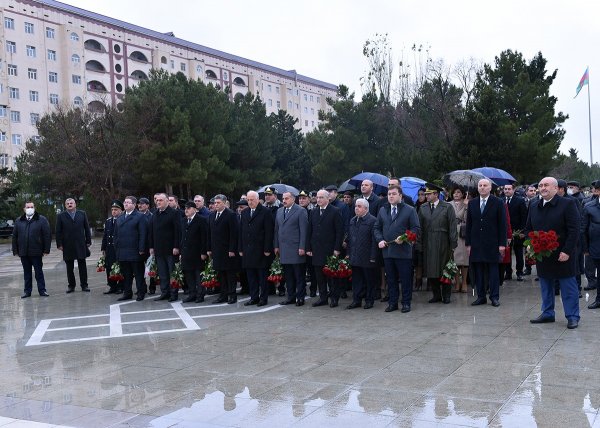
(56, 54)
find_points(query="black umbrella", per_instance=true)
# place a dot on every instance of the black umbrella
(465, 179)
(281, 188)
(346, 187)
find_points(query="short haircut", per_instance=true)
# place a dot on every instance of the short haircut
(221, 197)
(133, 199)
(362, 202)
(28, 202)
(174, 197)
(393, 186)
(70, 199)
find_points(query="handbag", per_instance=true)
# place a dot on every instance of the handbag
(462, 230)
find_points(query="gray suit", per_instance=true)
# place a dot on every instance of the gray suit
(289, 237)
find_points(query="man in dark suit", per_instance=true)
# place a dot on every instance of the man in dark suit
(165, 238)
(194, 244)
(144, 209)
(561, 215)
(394, 220)
(405, 198)
(517, 210)
(130, 245)
(366, 190)
(73, 238)
(108, 246)
(325, 236)
(255, 248)
(486, 241)
(222, 247)
(291, 228)
(202, 211)
(362, 254)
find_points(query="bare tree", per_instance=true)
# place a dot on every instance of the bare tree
(466, 73)
(381, 66)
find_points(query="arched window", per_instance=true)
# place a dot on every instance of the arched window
(94, 85)
(199, 69)
(210, 74)
(139, 74)
(163, 59)
(77, 102)
(94, 45)
(75, 37)
(239, 81)
(96, 107)
(75, 59)
(138, 56)
(94, 65)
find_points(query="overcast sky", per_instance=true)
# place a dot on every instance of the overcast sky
(324, 38)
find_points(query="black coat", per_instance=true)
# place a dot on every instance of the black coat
(486, 232)
(108, 240)
(517, 210)
(561, 215)
(362, 248)
(325, 234)
(31, 238)
(73, 235)
(165, 232)
(194, 242)
(374, 204)
(256, 238)
(223, 239)
(130, 237)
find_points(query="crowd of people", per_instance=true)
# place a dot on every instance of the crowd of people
(453, 238)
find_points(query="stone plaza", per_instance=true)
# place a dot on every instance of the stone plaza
(86, 360)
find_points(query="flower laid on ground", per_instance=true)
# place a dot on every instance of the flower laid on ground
(101, 265)
(177, 276)
(275, 271)
(450, 271)
(541, 244)
(209, 276)
(337, 267)
(115, 273)
(408, 237)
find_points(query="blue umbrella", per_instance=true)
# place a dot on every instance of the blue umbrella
(499, 176)
(380, 182)
(411, 186)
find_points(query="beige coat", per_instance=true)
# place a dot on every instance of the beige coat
(461, 257)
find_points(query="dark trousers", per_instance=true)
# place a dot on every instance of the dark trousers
(110, 258)
(591, 267)
(132, 270)
(363, 284)
(82, 273)
(399, 271)
(568, 294)
(36, 263)
(596, 263)
(257, 284)
(321, 281)
(165, 265)
(227, 278)
(517, 248)
(439, 290)
(295, 281)
(193, 277)
(489, 271)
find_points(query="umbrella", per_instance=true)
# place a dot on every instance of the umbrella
(499, 176)
(411, 186)
(346, 187)
(466, 179)
(380, 182)
(281, 188)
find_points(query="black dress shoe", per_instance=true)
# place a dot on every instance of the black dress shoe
(557, 292)
(152, 292)
(495, 303)
(313, 294)
(319, 303)
(479, 302)
(219, 300)
(70, 290)
(434, 300)
(446, 300)
(139, 298)
(251, 302)
(405, 309)
(300, 302)
(385, 299)
(173, 298)
(124, 297)
(162, 297)
(281, 293)
(368, 306)
(588, 288)
(353, 305)
(111, 291)
(261, 303)
(44, 294)
(391, 308)
(333, 304)
(189, 299)
(25, 295)
(344, 295)
(520, 278)
(85, 289)
(232, 300)
(594, 305)
(541, 320)
(572, 323)
(287, 302)
(199, 300)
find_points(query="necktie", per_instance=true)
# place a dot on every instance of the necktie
(394, 212)
(321, 211)
(508, 202)
(286, 212)
(189, 221)
(218, 214)
(482, 205)
(431, 207)
(113, 222)
(252, 213)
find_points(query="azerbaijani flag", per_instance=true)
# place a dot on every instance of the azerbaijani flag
(585, 80)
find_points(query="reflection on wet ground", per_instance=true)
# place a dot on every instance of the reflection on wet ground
(439, 365)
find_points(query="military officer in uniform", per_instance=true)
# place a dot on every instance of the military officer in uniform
(108, 246)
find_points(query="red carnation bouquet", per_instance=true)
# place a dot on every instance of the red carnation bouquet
(540, 244)
(275, 272)
(101, 265)
(115, 273)
(209, 276)
(408, 237)
(337, 267)
(177, 276)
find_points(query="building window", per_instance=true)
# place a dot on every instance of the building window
(306, 123)
(182, 66)
(13, 93)
(290, 105)
(34, 118)
(29, 28)
(277, 89)
(9, 23)
(75, 59)
(305, 97)
(54, 99)
(225, 76)
(51, 55)
(34, 96)
(199, 69)
(173, 64)
(75, 37)
(270, 103)
(278, 105)
(318, 99)
(31, 51)
(77, 102)
(306, 110)
(297, 106)
(49, 33)
(2, 136)
(52, 77)
(311, 99)
(15, 116)
(296, 92)
(2, 111)
(16, 139)
(76, 79)
(269, 88)
(11, 47)
(289, 91)
(312, 111)
(12, 70)
(4, 158)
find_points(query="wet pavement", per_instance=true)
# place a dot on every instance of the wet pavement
(85, 360)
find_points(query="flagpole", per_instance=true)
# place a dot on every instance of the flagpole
(590, 122)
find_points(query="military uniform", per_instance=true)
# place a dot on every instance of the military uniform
(110, 255)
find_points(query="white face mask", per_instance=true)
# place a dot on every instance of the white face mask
(29, 211)
(570, 192)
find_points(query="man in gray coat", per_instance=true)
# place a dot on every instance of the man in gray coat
(289, 241)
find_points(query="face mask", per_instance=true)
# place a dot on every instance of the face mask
(29, 211)
(570, 192)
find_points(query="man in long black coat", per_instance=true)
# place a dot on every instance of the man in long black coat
(194, 241)
(325, 236)
(486, 241)
(165, 238)
(108, 246)
(222, 247)
(73, 238)
(256, 247)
